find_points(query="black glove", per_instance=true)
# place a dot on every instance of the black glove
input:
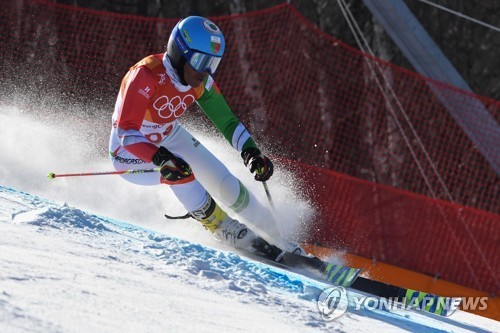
(173, 168)
(258, 163)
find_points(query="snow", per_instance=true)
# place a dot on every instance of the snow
(66, 270)
(95, 255)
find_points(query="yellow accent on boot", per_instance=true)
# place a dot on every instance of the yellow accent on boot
(213, 221)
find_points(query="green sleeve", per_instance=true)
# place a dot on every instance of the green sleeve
(218, 111)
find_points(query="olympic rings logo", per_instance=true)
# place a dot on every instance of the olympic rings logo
(172, 107)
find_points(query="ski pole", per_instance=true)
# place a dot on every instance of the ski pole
(268, 193)
(121, 172)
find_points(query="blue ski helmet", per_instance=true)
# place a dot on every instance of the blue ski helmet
(197, 41)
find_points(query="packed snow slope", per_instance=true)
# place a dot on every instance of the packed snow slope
(69, 269)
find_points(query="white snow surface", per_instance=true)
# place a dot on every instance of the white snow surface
(67, 270)
(94, 254)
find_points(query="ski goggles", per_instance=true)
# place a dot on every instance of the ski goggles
(199, 61)
(202, 62)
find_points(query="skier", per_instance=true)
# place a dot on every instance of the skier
(153, 94)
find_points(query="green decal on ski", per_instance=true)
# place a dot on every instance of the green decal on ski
(429, 303)
(340, 275)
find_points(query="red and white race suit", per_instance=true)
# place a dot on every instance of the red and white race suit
(150, 100)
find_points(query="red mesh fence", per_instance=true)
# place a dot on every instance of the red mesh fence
(316, 100)
(456, 243)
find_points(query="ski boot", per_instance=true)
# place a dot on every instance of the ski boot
(228, 230)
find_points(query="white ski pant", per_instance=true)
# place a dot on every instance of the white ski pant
(211, 176)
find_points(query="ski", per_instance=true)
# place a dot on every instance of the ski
(336, 274)
(345, 276)
(311, 267)
(438, 305)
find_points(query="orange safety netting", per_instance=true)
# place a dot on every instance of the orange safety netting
(317, 101)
